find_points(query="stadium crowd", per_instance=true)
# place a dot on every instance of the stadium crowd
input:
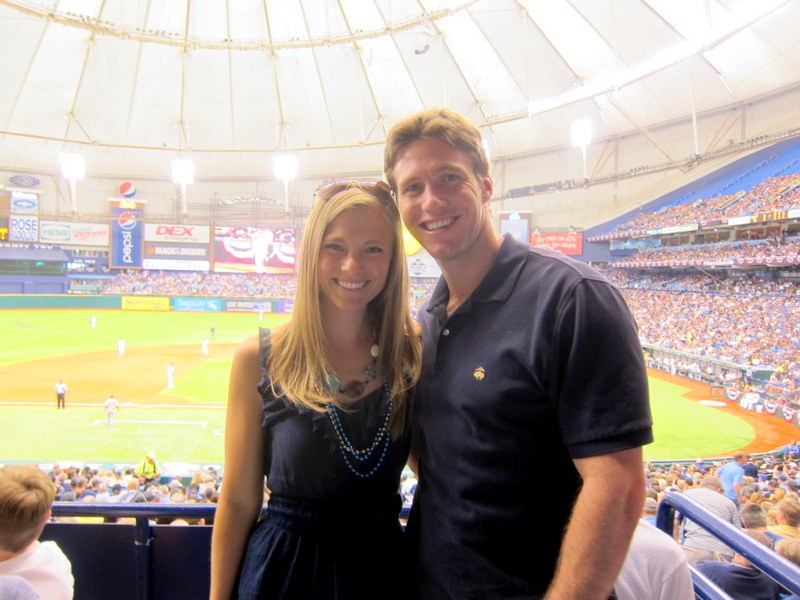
(773, 194)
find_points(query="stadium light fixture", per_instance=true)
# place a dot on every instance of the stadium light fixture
(183, 175)
(581, 136)
(284, 166)
(73, 167)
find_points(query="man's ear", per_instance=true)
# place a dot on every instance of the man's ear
(487, 188)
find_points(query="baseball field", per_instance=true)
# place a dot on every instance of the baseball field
(185, 424)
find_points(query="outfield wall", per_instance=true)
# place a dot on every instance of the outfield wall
(154, 303)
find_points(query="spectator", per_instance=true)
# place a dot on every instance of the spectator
(26, 501)
(739, 578)
(318, 406)
(754, 518)
(731, 474)
(788, 519)
(698, 543)
(650, 510)
(528, 322)
(655, 568)
(133, 493)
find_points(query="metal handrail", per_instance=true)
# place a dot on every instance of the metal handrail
(767, 560)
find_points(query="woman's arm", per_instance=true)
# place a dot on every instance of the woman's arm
(242, 494)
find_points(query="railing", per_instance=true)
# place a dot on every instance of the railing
(140, 560)
(174, 562)
(775, 566)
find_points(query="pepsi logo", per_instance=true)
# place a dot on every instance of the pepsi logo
(127, 221)
(127, 189)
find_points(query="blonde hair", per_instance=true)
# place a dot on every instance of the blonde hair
(789, 549)
(299, 359)
(26, 498)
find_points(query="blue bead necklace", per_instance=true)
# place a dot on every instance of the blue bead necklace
(380, 441)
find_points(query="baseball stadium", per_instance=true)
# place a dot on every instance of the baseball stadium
(159, 169)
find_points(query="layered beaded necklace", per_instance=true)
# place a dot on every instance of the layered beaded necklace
(364, 457)
(354, 388)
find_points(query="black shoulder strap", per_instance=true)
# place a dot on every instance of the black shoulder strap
(264, 345)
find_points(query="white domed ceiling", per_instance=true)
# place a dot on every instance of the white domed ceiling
(133, 83)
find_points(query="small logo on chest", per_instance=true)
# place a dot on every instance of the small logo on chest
(479, 373)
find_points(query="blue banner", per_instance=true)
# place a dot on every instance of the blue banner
(197, 304)
(127, 234)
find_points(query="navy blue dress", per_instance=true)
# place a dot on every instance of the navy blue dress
(327, 532)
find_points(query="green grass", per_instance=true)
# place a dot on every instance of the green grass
(193, 434)
(686, 429)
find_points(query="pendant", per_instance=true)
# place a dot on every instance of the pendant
(353, 388)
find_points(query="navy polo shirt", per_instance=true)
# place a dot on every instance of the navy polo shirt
(542, 364)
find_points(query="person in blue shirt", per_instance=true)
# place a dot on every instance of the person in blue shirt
(741, 579)
(731, 474)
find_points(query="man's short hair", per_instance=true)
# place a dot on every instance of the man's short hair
(753, 515)
(436, 124)
(26, 498)
(650, 506)
(710, 481)
(790, 509)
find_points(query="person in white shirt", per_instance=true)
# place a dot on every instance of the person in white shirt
(111, 404)
(655, 568)
(27, 490)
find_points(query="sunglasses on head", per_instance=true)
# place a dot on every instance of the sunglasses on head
(375, 187)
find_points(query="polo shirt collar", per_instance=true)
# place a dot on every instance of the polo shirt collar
(498, 283)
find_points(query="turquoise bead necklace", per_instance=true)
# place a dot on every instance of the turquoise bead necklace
(354, 388)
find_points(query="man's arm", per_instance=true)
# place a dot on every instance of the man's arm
(601, 526)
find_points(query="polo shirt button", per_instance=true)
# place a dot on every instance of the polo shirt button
(445, 332)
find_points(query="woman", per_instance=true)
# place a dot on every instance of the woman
(320, 407)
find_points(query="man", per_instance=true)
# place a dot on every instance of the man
(61, 395)
(754, 518)
(655, 568)
(739, 578)
(526, 354)
(650, 511)
(698, 543)
(111, 404)
(731, 474)
(788, 517)
(148, 470)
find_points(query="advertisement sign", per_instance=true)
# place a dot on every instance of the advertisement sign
(24, 202)
(254, 250)
(182, 234)
(64, 233)
(197, 304)
(177, 247)
(144, 303)
(570, 244)
(259, 306)
(126, 234)
(23, 228)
